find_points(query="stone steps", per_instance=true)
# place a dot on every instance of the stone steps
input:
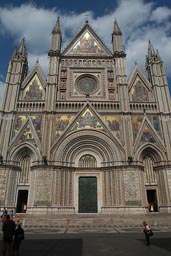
(52, 221)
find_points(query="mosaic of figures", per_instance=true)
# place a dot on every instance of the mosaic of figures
(34, 90)
(147, 136)
(86, 121)
(26, 136)
(21, 119)
(87, 45)
(62, 121)
(113, 124)
(139, 92)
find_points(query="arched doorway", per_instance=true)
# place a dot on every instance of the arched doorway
(23, 185)
(149, 158)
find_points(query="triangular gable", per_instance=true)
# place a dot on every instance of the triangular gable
(36, 70)
(139, 87)
(34, 90)
(138, 73)
(27, 133)
(87, 43)
(138, 121)
(147, 134)
(87, 118)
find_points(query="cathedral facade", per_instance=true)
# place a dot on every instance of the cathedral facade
(86, 138)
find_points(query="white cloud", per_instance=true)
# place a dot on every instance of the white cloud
(161, 14)
(138, 20)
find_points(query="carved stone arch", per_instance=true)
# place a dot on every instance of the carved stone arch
(152, 150)
(96, 143)
(24, 154)
(24, 149)
(149, 155)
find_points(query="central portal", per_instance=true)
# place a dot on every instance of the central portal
(87, 195)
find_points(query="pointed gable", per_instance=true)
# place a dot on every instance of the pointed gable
(26, 133)
(33, 87)
(139, 87)
(87, 43)
(87, 120)
(147, 134)
(138, 122)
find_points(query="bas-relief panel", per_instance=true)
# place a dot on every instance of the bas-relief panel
(3, 182)
(62, 121)
(147, 136)
(113, 123)
(43, 188)
(87, 120)
(132, 191)
(34, 90)
(169, 180)
(87, 45)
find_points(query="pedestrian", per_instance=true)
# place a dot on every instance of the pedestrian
(2, 212)
(11, 215)
(18, 237)
(147, 232)
(8, 229)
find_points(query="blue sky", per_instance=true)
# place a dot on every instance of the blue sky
(139, 21)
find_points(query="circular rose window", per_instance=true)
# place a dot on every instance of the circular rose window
(87, 85)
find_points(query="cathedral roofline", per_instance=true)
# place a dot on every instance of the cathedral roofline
(76, 37)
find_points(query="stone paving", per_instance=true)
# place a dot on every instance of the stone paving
(93, 244)
(108, 236)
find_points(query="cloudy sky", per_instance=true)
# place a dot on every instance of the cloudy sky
(139, 20)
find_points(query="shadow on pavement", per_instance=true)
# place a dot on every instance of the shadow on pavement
(50, 247)
(164, 243)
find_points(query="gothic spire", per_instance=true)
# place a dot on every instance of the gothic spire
(158, 55)
(151, 51)
(116, 29)
(117, 40)
(21, 48)
(56, 29)
(56, 38)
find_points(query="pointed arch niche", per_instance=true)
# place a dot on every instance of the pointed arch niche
(149, 156)
(25, 156)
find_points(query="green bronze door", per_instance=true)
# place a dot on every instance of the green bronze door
(87, 195)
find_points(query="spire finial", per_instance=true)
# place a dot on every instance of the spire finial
(87, 16)
(151, 51)
(22, 47)
(116, 30)
(56, 28)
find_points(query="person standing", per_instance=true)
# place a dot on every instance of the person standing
(147, 232)
(8, 229)
(18, 237)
